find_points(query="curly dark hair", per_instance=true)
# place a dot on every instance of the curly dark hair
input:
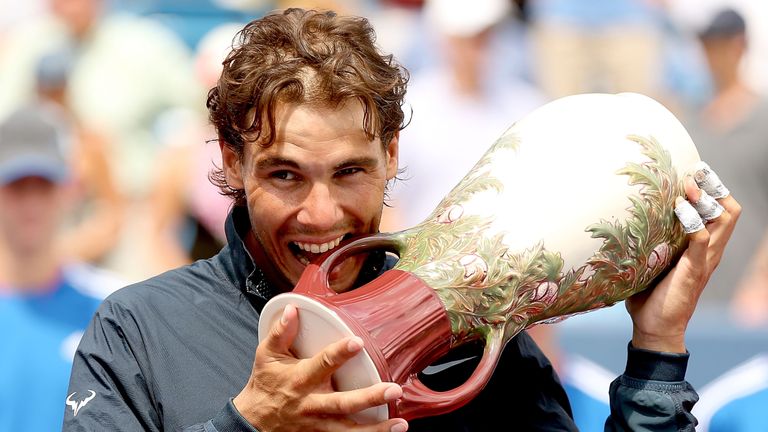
(303, 56)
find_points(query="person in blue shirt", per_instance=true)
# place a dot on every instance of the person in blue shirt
(46, 301)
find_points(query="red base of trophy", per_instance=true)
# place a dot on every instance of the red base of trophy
(404, 327)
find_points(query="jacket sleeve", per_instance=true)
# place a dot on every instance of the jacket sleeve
(108, 390)
(227, 420)
(652, 394)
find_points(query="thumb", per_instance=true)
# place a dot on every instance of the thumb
(282, 333)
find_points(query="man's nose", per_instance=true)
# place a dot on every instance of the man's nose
(320, 209)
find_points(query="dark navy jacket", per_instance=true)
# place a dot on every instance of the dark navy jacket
(170, 353)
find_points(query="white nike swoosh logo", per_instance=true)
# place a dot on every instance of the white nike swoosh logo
(431, 370)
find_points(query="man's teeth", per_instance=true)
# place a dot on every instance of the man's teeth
(318, 248)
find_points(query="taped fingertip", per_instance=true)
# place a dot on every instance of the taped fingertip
(708, 181)
(688, 216)
(707, 207)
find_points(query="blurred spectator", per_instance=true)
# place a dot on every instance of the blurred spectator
(187, 210)
(94, 227)
(46, 299)
(731, 128)
(582, 46)
(694, 14)
(460, 106)
(127, 73)
(399, 30)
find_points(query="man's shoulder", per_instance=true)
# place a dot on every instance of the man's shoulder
(170, 289)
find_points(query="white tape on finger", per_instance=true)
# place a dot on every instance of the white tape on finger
(688, 217)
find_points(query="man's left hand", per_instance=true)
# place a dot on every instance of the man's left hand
(660, 315)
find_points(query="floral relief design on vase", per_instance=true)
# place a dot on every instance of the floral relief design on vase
(487, 287)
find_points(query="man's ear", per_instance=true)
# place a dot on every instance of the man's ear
(392, 155)
(231, 165)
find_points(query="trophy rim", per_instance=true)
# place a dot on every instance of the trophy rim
(320, 325)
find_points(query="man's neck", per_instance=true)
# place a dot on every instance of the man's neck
(28, 272)
(272, 276)
(731, 106)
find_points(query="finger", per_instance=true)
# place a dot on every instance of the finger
(691, 189)
(696, 255)
(282, 333)
(349, 402)
(708, 180)
(721, 223)
(707, 207)
(391, 425)
(731, 206)
(343, 424)
(323, 364)
(717, 232)
(698, 250)
(688, 216)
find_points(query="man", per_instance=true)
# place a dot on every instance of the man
(46, 300)
(308, 114)
(144, 68)
(463, 86)
(732, 127)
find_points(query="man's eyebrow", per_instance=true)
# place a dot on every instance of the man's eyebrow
(274, 162)
(361, 161)
(279, 162)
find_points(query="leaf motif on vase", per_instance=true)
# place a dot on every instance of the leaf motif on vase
(531, 286)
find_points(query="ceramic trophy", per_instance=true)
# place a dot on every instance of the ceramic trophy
(569, 211)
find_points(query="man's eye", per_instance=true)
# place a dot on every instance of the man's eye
(283, 175)
(348, 171)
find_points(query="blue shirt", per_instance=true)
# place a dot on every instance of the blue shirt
(39, 334)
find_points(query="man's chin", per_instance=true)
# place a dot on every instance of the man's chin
(341, 277)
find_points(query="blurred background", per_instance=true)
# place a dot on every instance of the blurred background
(128, 80)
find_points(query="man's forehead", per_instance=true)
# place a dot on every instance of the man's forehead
(305, 151)
(307, 119)
(350, 110)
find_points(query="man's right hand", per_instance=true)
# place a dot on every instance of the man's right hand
(287, 394)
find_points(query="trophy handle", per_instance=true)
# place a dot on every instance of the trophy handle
(396, 340)
(419, 400)
(315, 278)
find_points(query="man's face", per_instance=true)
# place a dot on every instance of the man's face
(320, 182)
(724, 56)
(30, 211)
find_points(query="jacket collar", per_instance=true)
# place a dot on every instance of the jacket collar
(237, 262)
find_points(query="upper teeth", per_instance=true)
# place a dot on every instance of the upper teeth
(318, 248)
